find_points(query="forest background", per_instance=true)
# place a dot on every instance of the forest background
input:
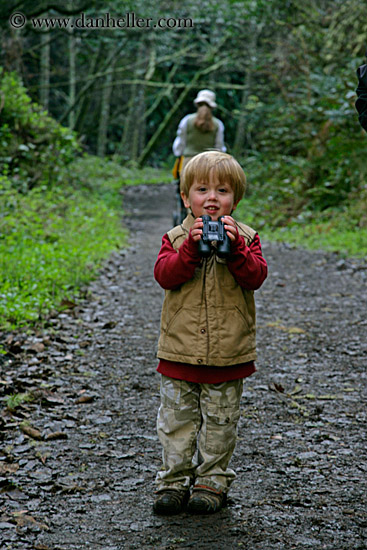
(84, 111)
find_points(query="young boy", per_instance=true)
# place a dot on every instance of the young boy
(207, 341)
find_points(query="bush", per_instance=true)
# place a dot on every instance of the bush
(34, 147)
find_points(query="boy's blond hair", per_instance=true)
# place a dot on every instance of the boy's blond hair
(225, 167)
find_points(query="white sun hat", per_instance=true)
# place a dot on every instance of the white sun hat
(206, 96)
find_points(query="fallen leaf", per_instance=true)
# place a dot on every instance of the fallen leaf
(24, 519)
(109, 325)
(84, 344)
(328, 396)
(30, 431)
(274, 386)
(8, 468)
(67, 304)
(38, 347)
(56, 435)
(85, 399)
(296, 330)
(297, 389)
(52, 399)
(290, 330)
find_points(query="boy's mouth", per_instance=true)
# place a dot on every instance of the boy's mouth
(212, 208)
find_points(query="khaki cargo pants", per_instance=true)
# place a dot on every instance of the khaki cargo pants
(197, 427)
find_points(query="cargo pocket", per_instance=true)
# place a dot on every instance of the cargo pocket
(221, 429)
(170, 392)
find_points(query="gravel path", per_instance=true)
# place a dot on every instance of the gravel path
(77, 464)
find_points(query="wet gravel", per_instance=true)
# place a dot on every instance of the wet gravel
(77, 463)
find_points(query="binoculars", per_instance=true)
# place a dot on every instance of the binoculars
(214, 231)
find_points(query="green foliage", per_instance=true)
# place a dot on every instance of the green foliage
(14, 400)
(53, 238)
(320, 145)
(305, 166)
(340, 229)
(34, 147)
(321, 233)
(52, 242)
(92, 172)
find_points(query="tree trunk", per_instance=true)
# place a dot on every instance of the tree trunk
(84, 97)
(72, 78)
(85, 93)
(44, 95)
(238, 146)
(105, 114)
(139, 126)
(130, 136)
(12, 48)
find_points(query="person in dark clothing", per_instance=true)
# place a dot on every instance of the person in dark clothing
(361, 103)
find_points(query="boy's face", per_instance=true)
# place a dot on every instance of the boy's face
(210, 197)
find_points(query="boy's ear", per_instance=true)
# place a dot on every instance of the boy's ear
(235, 206)
(185, 200)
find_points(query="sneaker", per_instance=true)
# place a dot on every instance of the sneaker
(206, 501)
(170, 501)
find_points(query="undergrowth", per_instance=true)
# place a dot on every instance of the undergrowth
(276, 205)
(53, 241)
(60, 214)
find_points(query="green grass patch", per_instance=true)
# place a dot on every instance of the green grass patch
(52, 242)
(334, 230)
(92, 172)
(279, 210)
(325, 235)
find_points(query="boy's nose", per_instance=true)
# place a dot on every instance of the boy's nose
(212, 194)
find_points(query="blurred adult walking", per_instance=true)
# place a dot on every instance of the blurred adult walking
(196, 133)
(200, 131)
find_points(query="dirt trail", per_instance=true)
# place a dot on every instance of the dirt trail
(86, 479)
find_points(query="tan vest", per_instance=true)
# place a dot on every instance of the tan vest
(209, 320)
(197, 141)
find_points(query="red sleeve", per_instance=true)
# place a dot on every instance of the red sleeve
(247, 264)
(175, 267)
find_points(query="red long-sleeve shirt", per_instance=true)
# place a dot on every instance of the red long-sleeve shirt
(174, 268)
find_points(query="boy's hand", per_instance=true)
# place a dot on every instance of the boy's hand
(230, 227)
(197, 229)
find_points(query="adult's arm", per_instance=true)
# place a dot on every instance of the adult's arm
(219, 138)
(180, 140)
